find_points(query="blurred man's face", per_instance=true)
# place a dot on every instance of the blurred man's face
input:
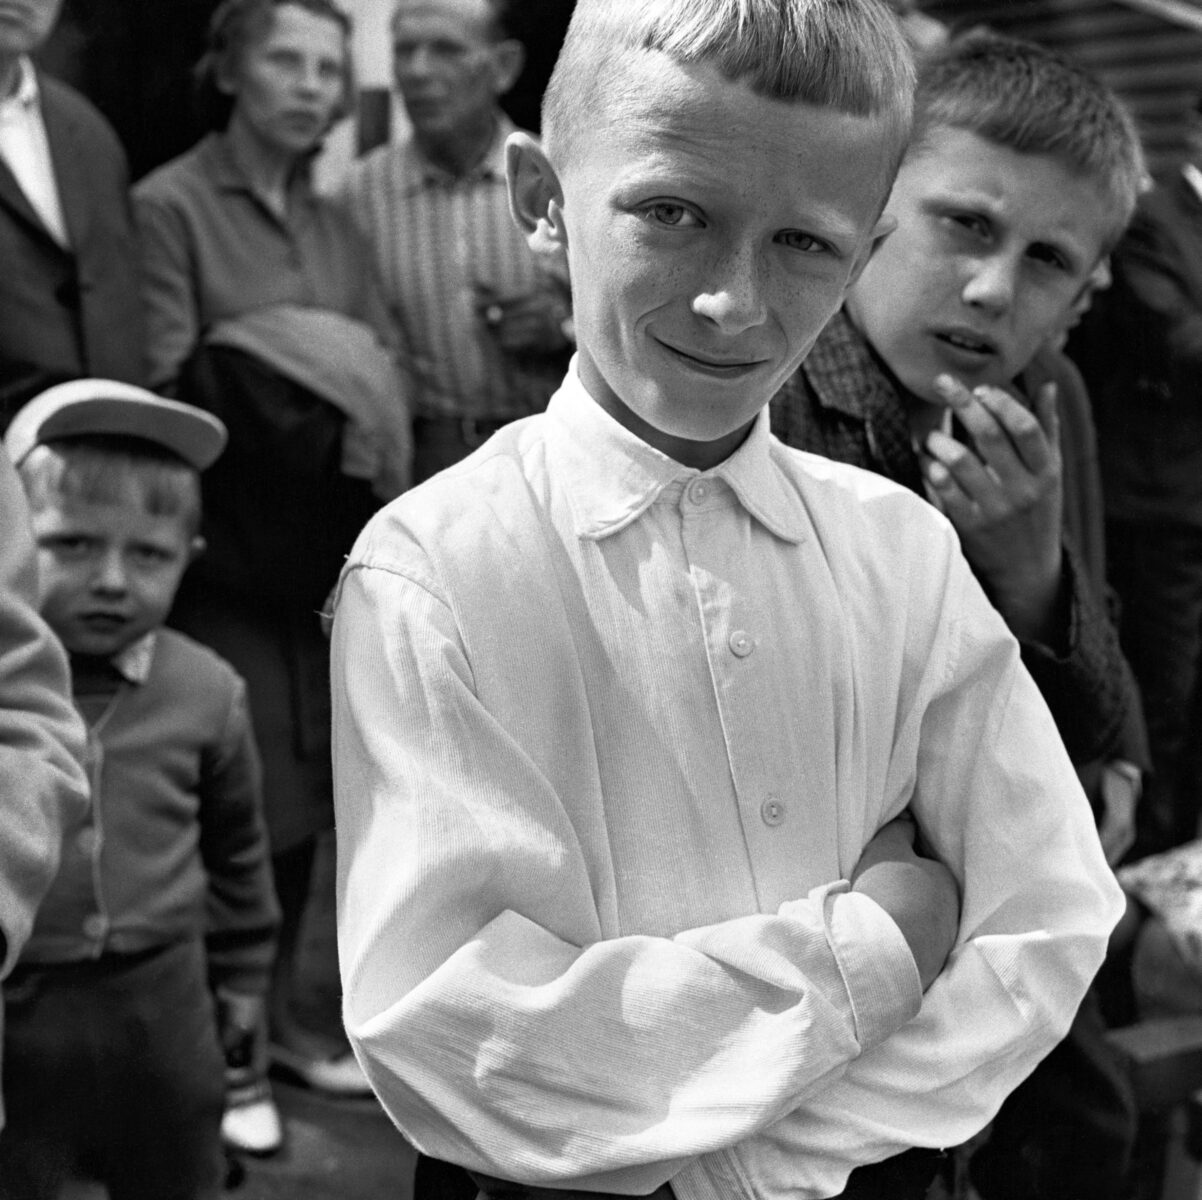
(25, 25)
(448, 65)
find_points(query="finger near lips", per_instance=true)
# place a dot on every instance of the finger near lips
(953, 467)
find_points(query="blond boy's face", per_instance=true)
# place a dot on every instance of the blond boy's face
(990, 255)
(108, 571)
(710, 234)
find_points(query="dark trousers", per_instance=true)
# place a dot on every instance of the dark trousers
(904, 1177)
(1156, 568)
(112, 1071)
(1068, 1130)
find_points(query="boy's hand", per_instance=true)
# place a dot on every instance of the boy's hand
(1004, 495)
(920, 894)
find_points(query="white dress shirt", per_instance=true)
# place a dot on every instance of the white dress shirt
(25, 149)
(609, 734)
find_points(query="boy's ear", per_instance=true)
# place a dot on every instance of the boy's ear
(885, 225)
(535, 194)
(196, 547)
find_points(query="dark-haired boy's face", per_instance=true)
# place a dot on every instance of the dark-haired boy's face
(991, 253)
(108, 571)
(711, 233)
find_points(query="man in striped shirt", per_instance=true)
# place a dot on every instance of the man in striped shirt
(482, 319)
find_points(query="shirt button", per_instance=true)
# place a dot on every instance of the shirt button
(773, 811)
(699, 490)
(741, 643)
(95, 926)
(87, 841)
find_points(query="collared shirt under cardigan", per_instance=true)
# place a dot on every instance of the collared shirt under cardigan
(843, 404)
(173, 844)
(436, 236)
(608, 734)
(211, 250)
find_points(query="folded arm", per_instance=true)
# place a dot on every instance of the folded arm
(997, 799)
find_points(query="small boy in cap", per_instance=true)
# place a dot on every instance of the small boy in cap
(629, 705)
(113, 1064)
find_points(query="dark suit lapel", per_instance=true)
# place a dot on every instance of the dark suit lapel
(70, 159)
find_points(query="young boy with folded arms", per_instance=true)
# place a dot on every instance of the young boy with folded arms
(113, 1064)
(1021, 175)
(630, 705)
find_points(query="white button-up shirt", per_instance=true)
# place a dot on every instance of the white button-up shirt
(609, 735)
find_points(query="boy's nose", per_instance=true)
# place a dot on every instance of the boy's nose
(734, 298)
(110, 576)
(308, 79)
(991, 283)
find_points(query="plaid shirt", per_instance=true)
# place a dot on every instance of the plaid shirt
(843, 404)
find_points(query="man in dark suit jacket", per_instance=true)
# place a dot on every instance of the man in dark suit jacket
(69, 299)
(1140, 351)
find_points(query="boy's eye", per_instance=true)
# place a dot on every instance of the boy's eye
(970, 223)
(66, 547)
(149, 556)
(1049, 256)
(795, 239)
(674, 216)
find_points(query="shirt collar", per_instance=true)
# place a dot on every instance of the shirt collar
(612, 476)
(222, 168)
(490, 167)
(26, 94)
(134, 662)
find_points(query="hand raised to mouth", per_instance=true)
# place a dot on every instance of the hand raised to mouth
(1000, 485)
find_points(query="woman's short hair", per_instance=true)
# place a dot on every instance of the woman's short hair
(236, 26)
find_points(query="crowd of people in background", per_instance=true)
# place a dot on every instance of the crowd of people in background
(214, 377)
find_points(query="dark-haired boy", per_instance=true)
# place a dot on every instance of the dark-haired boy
(940, 373)
(113, 1065)
(628, 704)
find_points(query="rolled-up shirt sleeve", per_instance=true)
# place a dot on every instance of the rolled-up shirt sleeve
(42, 785)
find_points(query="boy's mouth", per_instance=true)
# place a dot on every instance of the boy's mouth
(102, 622)
(967, 342)
(711, 363)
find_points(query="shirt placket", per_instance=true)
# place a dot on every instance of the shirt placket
(96, 923)
(739, 654)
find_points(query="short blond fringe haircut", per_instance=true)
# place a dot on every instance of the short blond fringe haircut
(849, 55)
(105, 469)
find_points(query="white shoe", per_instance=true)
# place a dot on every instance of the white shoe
(251, 1122)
